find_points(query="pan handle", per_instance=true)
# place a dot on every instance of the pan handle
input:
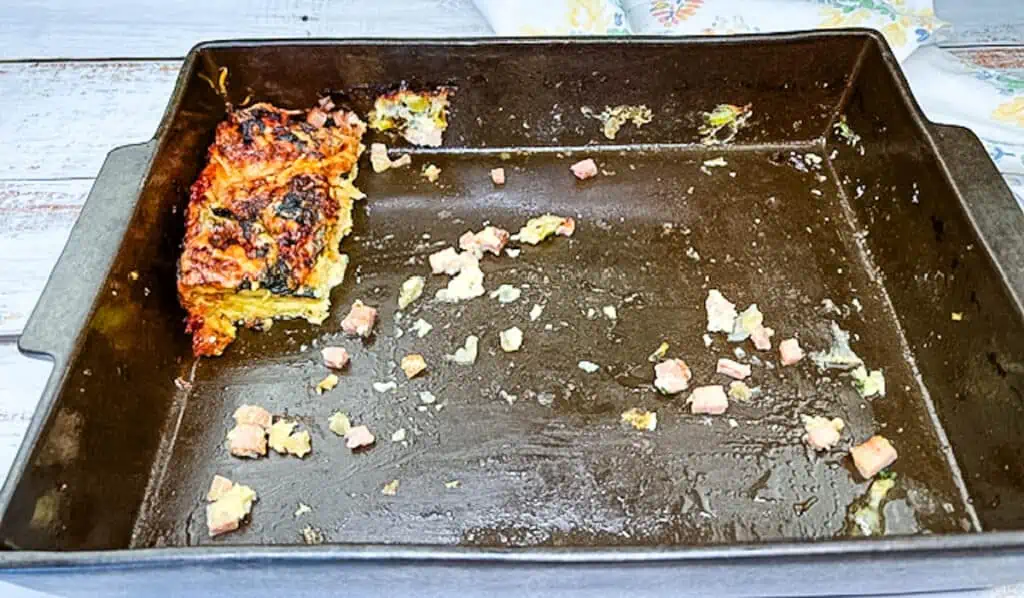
(76, 280)
(989, 203)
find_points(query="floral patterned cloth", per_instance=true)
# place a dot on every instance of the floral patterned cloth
(989, 102)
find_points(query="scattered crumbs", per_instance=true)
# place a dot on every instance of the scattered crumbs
(384, 386)
(546, 398)
(413, 364)
(692, 254)
(610, 312)
(536, 312)
(390, 489)
(612, 119)
(705, 170)
(707, 340)
(134, 275)
(641, 419)
(689, 190)
(733, 423)
(431, 173)
(588, 366)
(846, 133)
(591, 313)
(421, 327)
(302, 510)
(339, 423)
(329, 382)
(732, 174)
(427, 397)
(398, 435)
(513, 252)
(548, 327)
(410, 291)
(722, 123)
(739, 391)
(957, 316)
(815, 192)
(452, 484)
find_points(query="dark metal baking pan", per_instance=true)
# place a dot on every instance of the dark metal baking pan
(913, 222)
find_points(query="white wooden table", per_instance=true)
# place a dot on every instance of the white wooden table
(65, 101)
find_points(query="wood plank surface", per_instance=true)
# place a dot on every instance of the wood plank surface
(130, 28)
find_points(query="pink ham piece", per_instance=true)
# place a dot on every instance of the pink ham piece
(218, 487)
(317, 117)
(248, 440)
(708, 399)
(762, 338)
(253, 415)
(873, 456)
(450, 262)
(566, 228)
(358, 436)
(360, 319)
(672, 376)
(334, 357)
(491, 239)
(498, 176)
(733, 369)
(584, 169)
(822, 433)
(790, 351)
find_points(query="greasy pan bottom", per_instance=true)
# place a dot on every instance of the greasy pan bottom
(569, 473)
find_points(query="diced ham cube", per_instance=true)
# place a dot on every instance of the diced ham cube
(733, 369)
(253, 415)
(358, 436)
(498, 176)
(822, 433)
(873, 456)
(218, 487)
(584, 169)
(491, 239)
(790, 351)
(672, 376)
(317, 117)
(334, 357)
(708, 399)
(566, 228)
(359, 320)
(220, 519)
(248, 440)
(762, 338)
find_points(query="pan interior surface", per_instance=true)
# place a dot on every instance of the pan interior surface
(816, 224)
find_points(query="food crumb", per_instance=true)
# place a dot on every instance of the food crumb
(398, 435)
(537, 229)
(707, 340)
(411, 290)
(822, 433)
(466, 355)
(512, 252)
(452, 484)
(335, 358)
(284, 440)
(692, 254)
(641, 419)
(431, 173)
(536, 312)
(588, 366)
(672, 376)
(739, 391)
(733, 369)
(708, 399)
(659, 353)
(957, 316)
(312, 535)
(498, 176)
(390, 489)
(328, 383)
(733, 423)
(584, 169)
(359, 436)
(610, 312)
(873, 455)
(421, 327)
(134, 275)
(413, 364)
(360, 320)
(721, 312)
(511, 339)
(868, 385)
(231, 506)
(506, 293)
(339, 423)
(385, 386)
(302, 510)
(790, 351)
(716, 162)
(427, 397)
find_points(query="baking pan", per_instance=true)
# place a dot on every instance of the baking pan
(900, 231)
